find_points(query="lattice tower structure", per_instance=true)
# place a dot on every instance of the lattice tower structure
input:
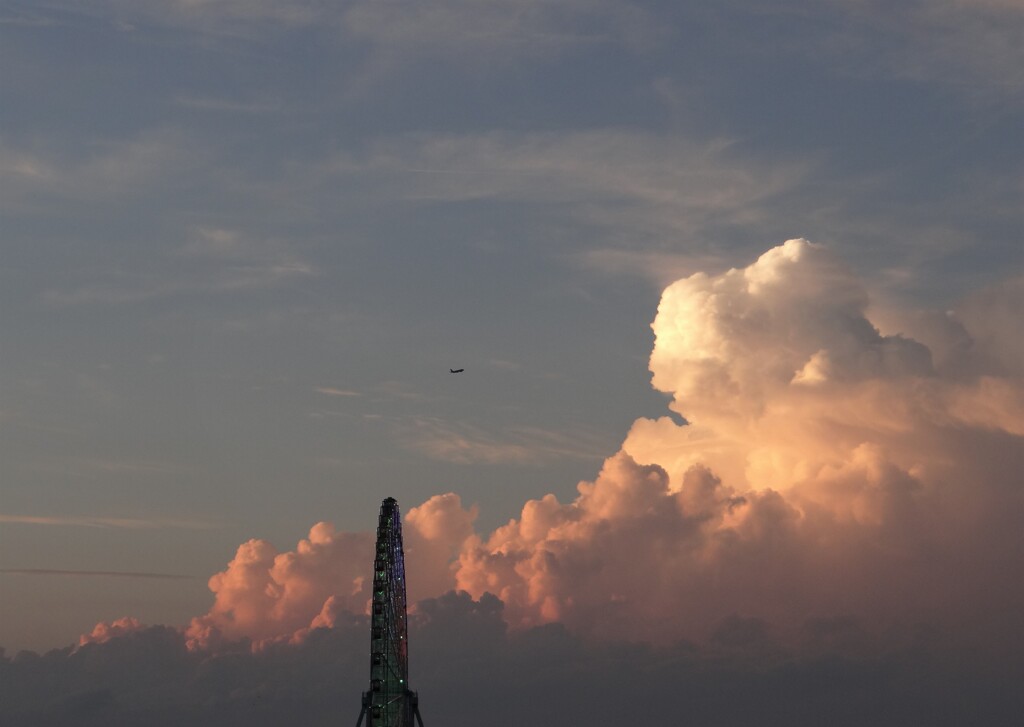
(389, 702)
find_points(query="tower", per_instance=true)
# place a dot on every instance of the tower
(389, 701)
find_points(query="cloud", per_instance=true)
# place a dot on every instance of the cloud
(470, 668)
(92, 521)
(330, 391)
(90, 573)
(434, 533)
(972, 44)
(511, 28)
(86, 466)
(820, 469)
(227, 17)
(838, 514)
(266, 595)
(824, 469)
(226, 105)
(989, 314)
(403, 29)
(213, 260)
(25, 19)
(796, 316)
(97, 171)
(104, 632)
(661, 268)
(464, 444)
(651, 204)
(649, 184)
(814, 446)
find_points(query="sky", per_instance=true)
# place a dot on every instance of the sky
(737, 288)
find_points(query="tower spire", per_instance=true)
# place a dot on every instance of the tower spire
(389, 702)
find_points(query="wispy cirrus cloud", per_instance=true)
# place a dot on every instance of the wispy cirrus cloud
(637, 188)
(37, 176)
(213, 260)
(965, 42)
(661, 268)
(976, 42)
(102, 521)
(401, 29)
(331, 391)
(971, 44)
(25, 19)
(513, 28)
(207, 103)
(467, 444)
(97, 466)
(92, 573)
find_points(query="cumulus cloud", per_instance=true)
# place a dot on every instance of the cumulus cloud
(826, 500)
(816, 468)
(264, 594)
(433, 534)
(104, 632)
(829, 499)
(823, 469)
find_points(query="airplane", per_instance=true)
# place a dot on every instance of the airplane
(456, 371)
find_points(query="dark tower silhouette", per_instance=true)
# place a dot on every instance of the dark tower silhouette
(389, 701)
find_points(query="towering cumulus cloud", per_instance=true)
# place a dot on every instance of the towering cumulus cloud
(816, 472)
(823, 470)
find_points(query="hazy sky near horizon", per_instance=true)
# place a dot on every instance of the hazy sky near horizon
(242, 243)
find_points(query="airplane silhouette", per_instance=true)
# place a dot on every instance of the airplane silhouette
(456, 371)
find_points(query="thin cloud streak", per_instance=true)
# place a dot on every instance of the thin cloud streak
(107, 522)
(466, 444)
(225, 105)
(810, 450)
(331, 391)
(93, 573)
(82, 466)
(213, 260)
(971, 45)
(660, 268)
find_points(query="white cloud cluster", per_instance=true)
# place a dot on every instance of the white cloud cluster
(825, 471)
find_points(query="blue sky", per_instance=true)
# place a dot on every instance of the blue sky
(242, 243)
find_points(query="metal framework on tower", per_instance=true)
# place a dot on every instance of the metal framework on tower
(389, 701)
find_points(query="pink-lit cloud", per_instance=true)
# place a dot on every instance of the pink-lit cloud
(266, 595)
(104, 632)
(824, 470)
